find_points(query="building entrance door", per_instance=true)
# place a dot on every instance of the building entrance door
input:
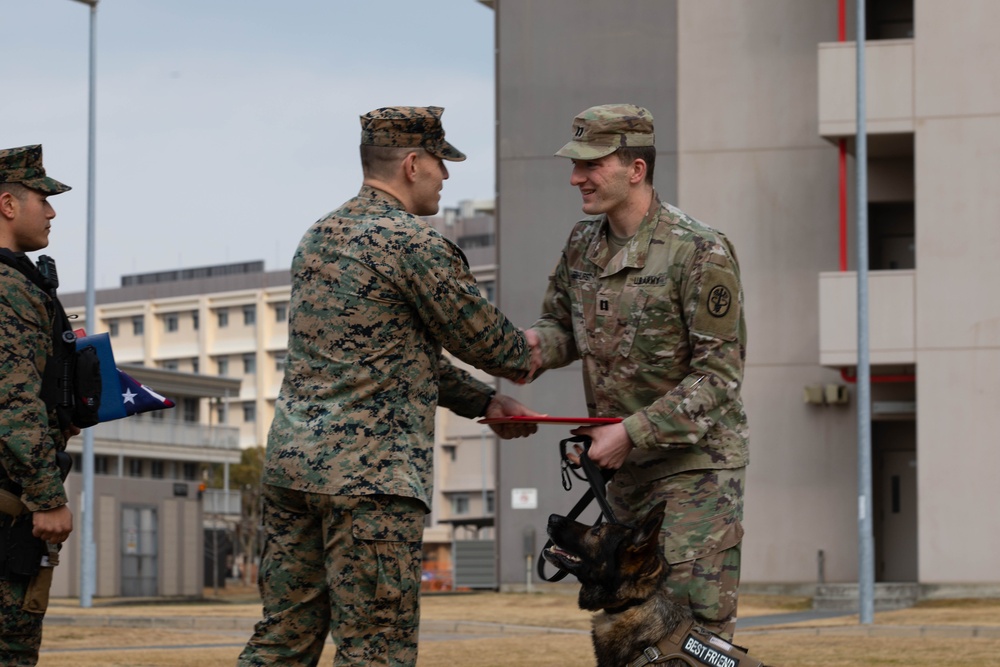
(139, 540)
(897, 494)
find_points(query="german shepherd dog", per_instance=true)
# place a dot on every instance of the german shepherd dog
(623, 575)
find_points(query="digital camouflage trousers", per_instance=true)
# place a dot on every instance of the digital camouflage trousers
(345, 565)
(20, 631)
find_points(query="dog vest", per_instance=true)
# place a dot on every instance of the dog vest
(697, 647)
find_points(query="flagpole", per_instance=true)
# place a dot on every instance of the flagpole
(88, 550)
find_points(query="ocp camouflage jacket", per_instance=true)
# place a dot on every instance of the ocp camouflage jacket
(660, 330)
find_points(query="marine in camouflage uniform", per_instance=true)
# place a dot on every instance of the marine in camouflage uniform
(29, 432)
(657, 320)
(376, 294)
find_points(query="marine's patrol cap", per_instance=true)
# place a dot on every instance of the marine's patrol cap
(603, 129)
(24, 165)
(408, 127)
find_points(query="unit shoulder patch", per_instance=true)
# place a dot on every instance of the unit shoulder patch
(718, 310)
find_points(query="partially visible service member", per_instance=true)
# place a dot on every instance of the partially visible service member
(34, 515)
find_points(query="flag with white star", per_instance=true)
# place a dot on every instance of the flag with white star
(137, 397)
(121, 395)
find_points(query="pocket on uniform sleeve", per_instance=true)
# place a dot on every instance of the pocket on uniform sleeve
(388, 565)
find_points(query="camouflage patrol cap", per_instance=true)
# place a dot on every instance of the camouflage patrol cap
(24, 165)
(603, 129)
(408, 127)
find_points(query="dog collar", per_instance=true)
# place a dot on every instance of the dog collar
(624, 607)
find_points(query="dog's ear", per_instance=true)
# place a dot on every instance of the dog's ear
(649, 529)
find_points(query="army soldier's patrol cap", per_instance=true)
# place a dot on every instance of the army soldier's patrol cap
(603, 129)
(24, 165)
(408, 127)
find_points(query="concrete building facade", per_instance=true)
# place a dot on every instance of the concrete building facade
(751, 102)
(149, 505)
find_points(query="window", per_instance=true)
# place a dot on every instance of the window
(191, 409)
(249, 412)
(450, 451)
(135, 467)
(170, 322)
(194, 364)
(194, 320)
(190, 471)
(223, 316)
(100, 465)
(489, 290)
(279, 361)
(222, 413)
(280, 312)
(156, 469)
(249, 364)
(249, 315)
(490, 503)
(138, 326)
(113, 328)
(169, 365)
(223, 364)
(459, 504)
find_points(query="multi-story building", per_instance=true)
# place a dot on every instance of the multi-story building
(150, 506)
(751, 103)
(228, 321)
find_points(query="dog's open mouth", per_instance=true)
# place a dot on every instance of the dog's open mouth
(555, 553)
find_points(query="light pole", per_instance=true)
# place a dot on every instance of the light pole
(866, 540)
(88, 552)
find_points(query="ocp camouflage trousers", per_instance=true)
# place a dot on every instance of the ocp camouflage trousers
(701, 537)
(20, 631)
(347, 565)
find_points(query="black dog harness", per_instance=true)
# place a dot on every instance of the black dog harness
(697, 647)
(596, 477)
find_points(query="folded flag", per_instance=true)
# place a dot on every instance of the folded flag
(137, 397)
(121, 395)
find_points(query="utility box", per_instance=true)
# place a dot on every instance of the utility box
(475, 564)
(813, 394)
(836, 394)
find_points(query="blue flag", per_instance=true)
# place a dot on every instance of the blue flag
(137, 397)
(121, 395)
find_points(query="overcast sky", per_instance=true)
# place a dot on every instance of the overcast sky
(226, 127)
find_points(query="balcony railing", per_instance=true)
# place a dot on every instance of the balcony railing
(220, 501)
(891, 318)
(888, 90)
(147, 429)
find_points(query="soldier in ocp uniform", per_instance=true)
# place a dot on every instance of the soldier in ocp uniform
(31, 488)
(376, 294)
(650, 301)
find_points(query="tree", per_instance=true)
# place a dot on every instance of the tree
(247, 478)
